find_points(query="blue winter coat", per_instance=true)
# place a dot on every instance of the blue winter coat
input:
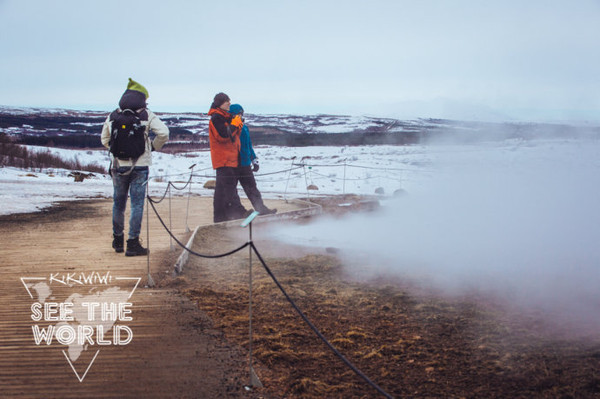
(247, 154)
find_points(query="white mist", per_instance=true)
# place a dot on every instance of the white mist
(520, 220)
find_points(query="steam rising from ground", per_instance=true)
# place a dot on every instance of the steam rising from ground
(519, 220)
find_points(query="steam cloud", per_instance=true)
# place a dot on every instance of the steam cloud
(519, 221)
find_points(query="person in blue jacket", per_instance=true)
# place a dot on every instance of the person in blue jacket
(248, 165)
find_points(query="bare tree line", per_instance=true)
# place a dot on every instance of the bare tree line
(18, 156)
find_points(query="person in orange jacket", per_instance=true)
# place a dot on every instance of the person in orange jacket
(249, 165)
(224, 138)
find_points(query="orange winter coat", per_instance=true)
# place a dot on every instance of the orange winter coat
(224, 139)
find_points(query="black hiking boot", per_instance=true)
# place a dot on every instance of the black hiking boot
(268, 211)
(118, 243)
(134, 248)
(242, 214)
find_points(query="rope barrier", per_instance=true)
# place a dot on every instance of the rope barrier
(350, 166)
(183, 173)
(254, 174)
(315, 176)
(175, 174)
(315, 329)
(356, 179)
(278, 180)
(182, 188)
(374, 168)
(151, 201)
(163, 196)
(279, 171)
(308, 175)
(270, 273)
(170, 184)
(290, 300)
(301, 165)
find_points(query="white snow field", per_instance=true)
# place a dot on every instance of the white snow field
(288, 171)
(281, 174)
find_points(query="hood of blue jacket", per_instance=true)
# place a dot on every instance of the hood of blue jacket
(235, 109)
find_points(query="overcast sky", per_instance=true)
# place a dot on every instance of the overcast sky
(512, 59)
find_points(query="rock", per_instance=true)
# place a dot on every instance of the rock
(369, 205)
(312, 187)
(211, 184)
(379, 190)
(80, 176)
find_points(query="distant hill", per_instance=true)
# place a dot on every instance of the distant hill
(81, 129)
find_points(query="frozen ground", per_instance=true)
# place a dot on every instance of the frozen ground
(281, 174)
(287, 172)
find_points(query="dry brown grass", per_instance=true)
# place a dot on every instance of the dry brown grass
(411, 345)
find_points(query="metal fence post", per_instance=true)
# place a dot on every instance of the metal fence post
(253, 378)
(344, 187)
(187, 210)
(288, 180)
(306, 181)
(170, 217)
(150, 282)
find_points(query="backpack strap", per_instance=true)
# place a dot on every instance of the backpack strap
(127, 172)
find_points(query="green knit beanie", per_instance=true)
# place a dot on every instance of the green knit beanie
(133, 85)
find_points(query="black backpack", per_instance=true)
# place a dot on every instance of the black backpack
(128, 137)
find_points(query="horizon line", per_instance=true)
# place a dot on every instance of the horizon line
(506, 121)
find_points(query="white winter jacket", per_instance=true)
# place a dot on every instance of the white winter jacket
(153, 124)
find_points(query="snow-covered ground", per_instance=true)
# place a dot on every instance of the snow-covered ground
(287, 172)
(284, 172)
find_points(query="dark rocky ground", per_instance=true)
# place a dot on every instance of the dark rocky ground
(411, 341)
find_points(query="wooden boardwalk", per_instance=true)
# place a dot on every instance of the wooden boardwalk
(174, 352)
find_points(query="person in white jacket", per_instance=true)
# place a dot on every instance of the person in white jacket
(130, 173)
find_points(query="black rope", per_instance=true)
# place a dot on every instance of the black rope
(319, 334)
(350, 166)
(322, 176)
(290, 300)
(279, 171)
(254, 174)
(169, 184)
(163, 196)
(186, 248)
(385, 169)
(182, 188)
(275, 180)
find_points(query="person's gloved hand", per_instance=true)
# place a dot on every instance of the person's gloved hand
(255, 165)
(237, 121)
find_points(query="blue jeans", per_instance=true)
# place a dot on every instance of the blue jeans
(135, 183)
